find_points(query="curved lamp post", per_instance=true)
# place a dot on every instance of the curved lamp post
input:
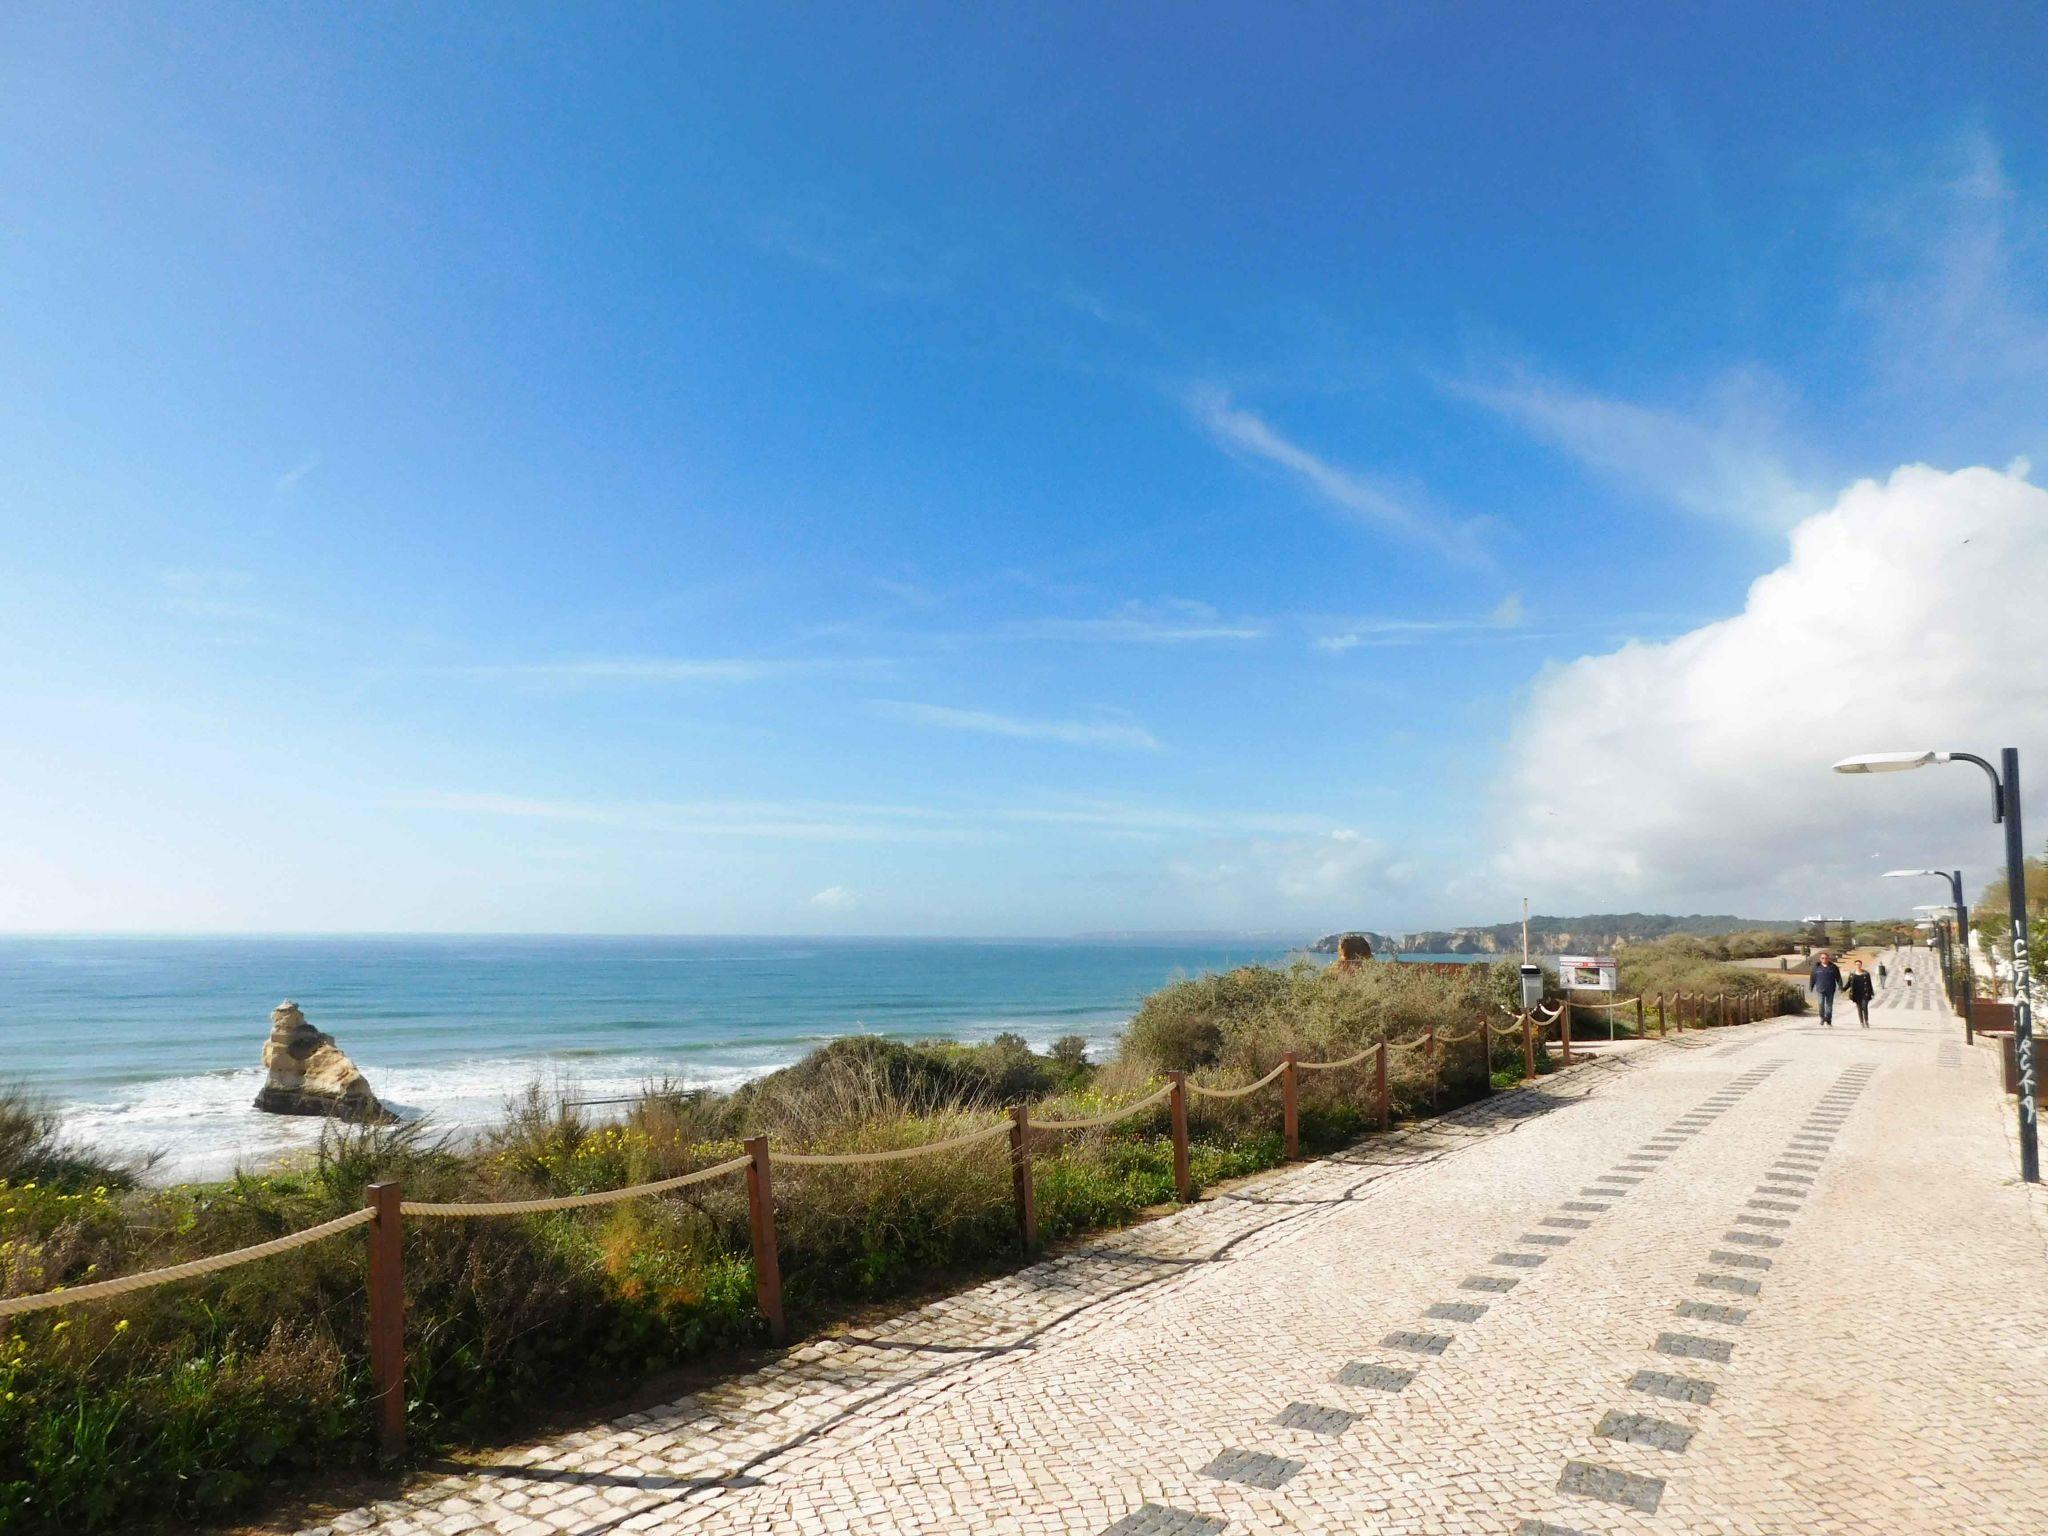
(2005, 807)
(1955, 886)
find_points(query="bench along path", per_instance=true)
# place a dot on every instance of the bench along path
(1768, 1279)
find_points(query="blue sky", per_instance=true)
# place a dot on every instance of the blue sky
(1008, 470)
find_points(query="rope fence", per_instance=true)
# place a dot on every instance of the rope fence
(386, 1209)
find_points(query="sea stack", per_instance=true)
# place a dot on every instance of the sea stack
(310, 1076)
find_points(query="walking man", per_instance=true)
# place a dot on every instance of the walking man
(1824, 982)
(1861, 991)
(1881, 973)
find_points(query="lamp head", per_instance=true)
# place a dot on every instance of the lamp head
(1889, 762)
(1900, 874)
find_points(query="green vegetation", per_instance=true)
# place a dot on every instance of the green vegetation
(188, 1402)
(1991, 917)
(1698, 966)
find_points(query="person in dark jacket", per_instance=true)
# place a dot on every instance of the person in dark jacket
(1824, 982)
(1861, 991)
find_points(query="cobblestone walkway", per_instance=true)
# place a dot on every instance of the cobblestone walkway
(1761, 1280)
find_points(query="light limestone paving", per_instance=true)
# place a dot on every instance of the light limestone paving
(1786, 1281)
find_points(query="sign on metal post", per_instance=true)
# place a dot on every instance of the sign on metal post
(1587, 973)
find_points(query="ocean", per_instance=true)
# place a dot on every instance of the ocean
(154, 1044)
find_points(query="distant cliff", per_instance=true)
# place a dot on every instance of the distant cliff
(1595, 933)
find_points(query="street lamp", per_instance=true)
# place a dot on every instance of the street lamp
(1936, 922)
(2005, 807)
(1955, 885)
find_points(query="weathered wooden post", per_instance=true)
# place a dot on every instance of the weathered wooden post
(1290, 1111)
(387, 1318)
(1639, 1016)
(1485, 1056)
(761, 1219)
(1722, 999)
(1564, 1028)
(1020, 1177)
(1528, 1046)
(1386, 1100)
(1183, 1181)
(1436, 1075)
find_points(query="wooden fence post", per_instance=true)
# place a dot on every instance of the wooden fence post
(1386, 1101)
(1290, 1112)
(1486, 1055)
(1528, 1045)
(1183, 1180)
(761, 1218)
(1564, 1028)
(1639, 1017)
(1722, 999)
(1436, 1072)
(387, 1318)
(1020, 1177)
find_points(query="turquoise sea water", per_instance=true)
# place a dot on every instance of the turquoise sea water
(154, 1044)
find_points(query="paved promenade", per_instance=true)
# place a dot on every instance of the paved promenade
(1760, 1280)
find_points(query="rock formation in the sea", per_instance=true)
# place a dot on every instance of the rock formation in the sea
(310, 1076)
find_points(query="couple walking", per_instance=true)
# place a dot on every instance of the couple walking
(1827, 979)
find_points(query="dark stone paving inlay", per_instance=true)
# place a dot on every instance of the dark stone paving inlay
(1420, 1343)
(1690, 1346)
(1753, 1239)
(1641, 1429)
(1545, 1528)
(1739, 1260)
(1315, 1418)
(1763, 1221)
(1386, 1378)
(1459, 1311)
(1544, 1239)
(1487, 1283)
(1712, 1312)
(1255, 1469)
(1735, 1283)
(1159, 1520)
(1680, 1389)
(1520, 1260)
(1630, 1489)
(1578, 1222)
(1582, 1205)
(1772, 1205)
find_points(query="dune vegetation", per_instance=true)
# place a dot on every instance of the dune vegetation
(196, 1400)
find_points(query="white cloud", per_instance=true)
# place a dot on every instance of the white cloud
(1077, 733)
(1729, 457)
(1694, 774)
(836, 898)
(1362, 498)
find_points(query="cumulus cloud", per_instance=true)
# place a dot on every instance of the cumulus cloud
(836, 898)
(1694, 773)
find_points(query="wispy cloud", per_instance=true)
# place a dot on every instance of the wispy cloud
(288, 482)
(1730, 457)
(863, 821)
(836, 898)
(1962, 298)
(1163, 621)
(1361, 498)
(1077, 733)
(599, 671)
(1350, 635)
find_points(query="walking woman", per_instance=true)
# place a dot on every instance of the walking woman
(1861, 991)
